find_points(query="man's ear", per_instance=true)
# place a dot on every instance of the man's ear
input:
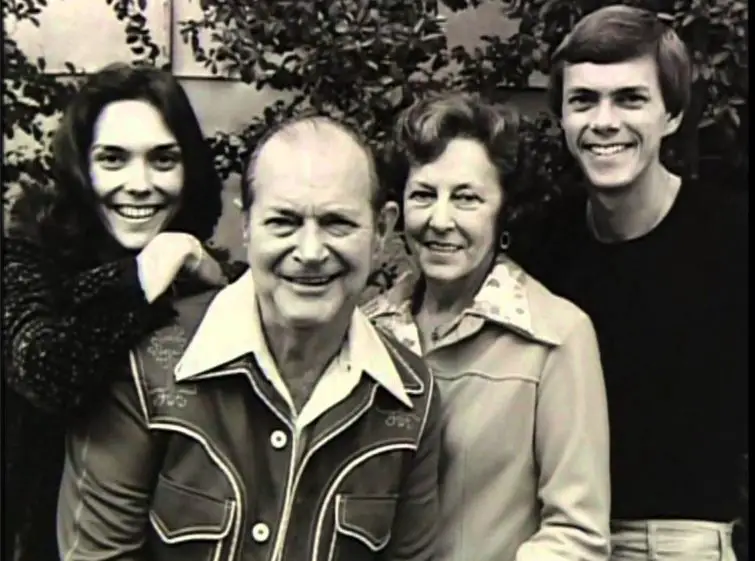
(673, 123)
(386, 221)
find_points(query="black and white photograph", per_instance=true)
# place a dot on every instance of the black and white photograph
(375, 280)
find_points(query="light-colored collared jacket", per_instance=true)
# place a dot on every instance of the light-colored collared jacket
(525, 472)
(199, 457)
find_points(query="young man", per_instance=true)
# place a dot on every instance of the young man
(659, 262)
(271, 421)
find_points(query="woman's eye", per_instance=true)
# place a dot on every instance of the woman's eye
(421, 196)
(110, 160)
(467, 199)
(166, 162)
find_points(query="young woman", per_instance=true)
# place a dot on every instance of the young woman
(91, 264)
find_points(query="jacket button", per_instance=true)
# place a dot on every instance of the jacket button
(278, 439)
(260, 532)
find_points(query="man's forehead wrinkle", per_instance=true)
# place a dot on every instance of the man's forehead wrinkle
(306, 209)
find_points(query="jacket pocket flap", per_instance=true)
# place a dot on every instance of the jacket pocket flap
(180, 514)
(368, 519)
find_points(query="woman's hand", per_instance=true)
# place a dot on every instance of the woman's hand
(166, 254)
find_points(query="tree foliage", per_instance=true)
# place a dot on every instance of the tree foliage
(363, 60)
(357, 60)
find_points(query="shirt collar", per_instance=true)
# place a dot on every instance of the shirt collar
(225, 334)
(503, 299)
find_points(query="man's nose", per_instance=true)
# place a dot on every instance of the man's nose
(605, 118)
(310, 248)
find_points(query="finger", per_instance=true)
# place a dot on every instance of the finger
(210, 271)
(193, 260)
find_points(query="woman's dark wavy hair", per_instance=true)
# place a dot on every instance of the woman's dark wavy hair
(424, 129)
(64, 216)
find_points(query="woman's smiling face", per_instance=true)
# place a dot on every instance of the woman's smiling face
(137, 172)
(451, 209)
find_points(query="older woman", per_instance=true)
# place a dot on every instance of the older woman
(525, 474)
(90, 265)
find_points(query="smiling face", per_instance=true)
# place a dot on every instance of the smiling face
(312, 229)
(614, 119)
(136, 170)
(451, 209)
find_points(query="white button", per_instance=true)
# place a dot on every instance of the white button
(278, 439)
(260, 532)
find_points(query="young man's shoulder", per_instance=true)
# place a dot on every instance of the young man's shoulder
(723, 209)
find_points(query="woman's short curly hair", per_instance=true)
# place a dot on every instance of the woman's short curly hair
(424, 129)
(66, 214)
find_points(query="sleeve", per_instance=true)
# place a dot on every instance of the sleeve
(62, 339)
(415, 526)
(111, 465)
(572, 451)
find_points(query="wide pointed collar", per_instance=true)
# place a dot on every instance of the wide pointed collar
(502, 299)
(232, 328)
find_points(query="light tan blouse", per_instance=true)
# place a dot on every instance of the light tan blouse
(525, 475)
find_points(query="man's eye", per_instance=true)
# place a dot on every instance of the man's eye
(338, 226)
(579, 101)
(632, 100)
(279, 222)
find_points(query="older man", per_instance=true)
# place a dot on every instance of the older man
(270, 421)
